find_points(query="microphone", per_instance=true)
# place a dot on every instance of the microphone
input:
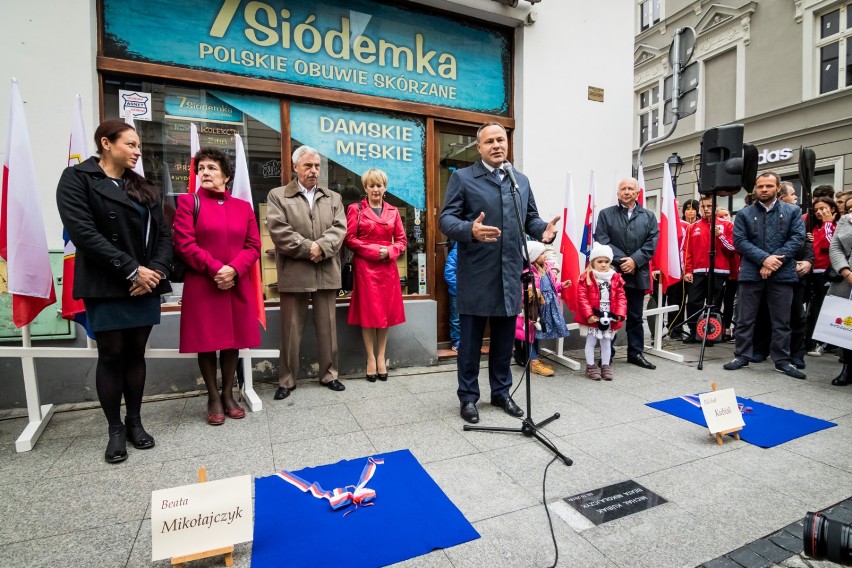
(510, 171)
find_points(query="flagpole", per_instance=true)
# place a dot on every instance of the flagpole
(39, 414)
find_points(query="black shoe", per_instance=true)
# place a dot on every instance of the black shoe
(334, 385)
(639, 360)
(798, 362)
(116, 450)
(469, 413)
(372, 378)
(676, 335)
(382, 376)
(691, 340)
(137, 435)
(283, 392)
(758, 358)
(790, 370)
(737, 363)
(508, 405)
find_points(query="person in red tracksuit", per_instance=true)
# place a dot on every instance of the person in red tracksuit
(827, 215)
(697, 261)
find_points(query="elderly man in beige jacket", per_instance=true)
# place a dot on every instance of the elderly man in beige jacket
(307, 223)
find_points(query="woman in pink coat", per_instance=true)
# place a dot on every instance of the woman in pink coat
(376, 237)
(218, 306)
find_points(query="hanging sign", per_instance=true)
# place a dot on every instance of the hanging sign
(360, 140)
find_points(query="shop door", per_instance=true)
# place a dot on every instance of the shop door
(456, 149)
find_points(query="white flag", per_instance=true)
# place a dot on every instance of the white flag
(23, 243)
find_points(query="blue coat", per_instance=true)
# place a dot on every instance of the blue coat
(759, 233)
(488, 279)
(450, 269)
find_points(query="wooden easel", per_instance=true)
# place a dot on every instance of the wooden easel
(227, 552)
(719, 435)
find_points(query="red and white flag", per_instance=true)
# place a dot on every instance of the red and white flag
(73, 309)
(588, 238)
(640, 178)
(194, 147)
(667, 256)
(23, 243)
(570, 247)
(128, 118)
(241, 189)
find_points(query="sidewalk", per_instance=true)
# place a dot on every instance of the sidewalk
(62, 505)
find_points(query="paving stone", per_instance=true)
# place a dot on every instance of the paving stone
(721, 562)
(770, 550)
(788, 541)
(747, 558)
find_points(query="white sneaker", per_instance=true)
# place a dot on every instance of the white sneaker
(817, 351)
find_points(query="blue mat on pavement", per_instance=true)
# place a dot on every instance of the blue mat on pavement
(765, 425)
(411, 516)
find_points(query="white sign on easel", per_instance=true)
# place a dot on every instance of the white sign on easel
(721, 411)
(200, 517)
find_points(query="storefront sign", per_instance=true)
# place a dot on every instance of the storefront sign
(362, 140)
(199, 517)
(360, 46)
(772, 156)
(186, 106)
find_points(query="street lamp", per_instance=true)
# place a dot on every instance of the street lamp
(675, 165)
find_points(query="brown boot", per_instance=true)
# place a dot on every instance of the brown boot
(539, 369)
(606, 372)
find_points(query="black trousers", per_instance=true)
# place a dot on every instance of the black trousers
(817, 288)
(728, 303)
(798, 323)
(676, 296)
(499, 355)
(779, 296)
(634, 326)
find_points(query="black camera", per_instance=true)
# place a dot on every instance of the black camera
(826, 538)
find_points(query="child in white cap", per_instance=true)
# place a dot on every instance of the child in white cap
(550, 324)
(602, 307)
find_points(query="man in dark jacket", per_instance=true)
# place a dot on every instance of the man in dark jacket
(479, 214)
(632, 232)
(767, 234)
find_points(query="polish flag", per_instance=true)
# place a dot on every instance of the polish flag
(23, 243)
(242, 190)
(73, 309)
(588, 238)
(194, 147)
(640, 178)
(570, 247)
(667, 255)
(128, 119)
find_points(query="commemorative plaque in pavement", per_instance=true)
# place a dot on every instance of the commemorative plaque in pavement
(614, 501)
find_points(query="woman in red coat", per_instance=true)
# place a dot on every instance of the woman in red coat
(218, 306)
(375, 235)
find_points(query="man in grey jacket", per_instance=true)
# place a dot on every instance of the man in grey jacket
(632, 232)
(307, 223)
(767, 234)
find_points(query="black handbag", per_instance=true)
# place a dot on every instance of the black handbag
(347, 272)
(178, 268)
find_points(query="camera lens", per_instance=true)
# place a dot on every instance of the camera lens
(827, 539)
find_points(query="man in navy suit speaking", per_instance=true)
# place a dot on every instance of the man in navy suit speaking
(480, 215)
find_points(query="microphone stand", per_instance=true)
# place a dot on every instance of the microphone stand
(529, 427)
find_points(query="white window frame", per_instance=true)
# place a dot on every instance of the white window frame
(649, 110)
(654, 18)
(810, 16)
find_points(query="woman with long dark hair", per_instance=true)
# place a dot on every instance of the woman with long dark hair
(115, 219)
(826, 216)
(220, 244)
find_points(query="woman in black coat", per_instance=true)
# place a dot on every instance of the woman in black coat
(115, 219)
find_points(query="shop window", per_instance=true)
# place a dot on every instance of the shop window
(649, 114)
(649, 13)
(352, 141)
(834, 49)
